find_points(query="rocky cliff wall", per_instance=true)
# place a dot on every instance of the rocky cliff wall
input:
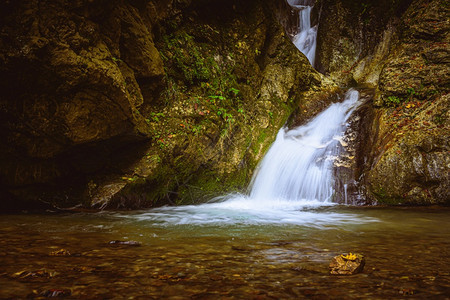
(401, 49)
(131, 104)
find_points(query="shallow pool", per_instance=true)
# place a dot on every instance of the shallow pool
(212, 252)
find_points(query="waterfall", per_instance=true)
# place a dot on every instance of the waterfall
(296, 173)
(305, 39)
(299, 165)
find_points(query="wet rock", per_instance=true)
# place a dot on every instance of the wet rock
(347, 264)
(411, 131)
(349, 165)
(406, 292)
(411, 156)
(125, 243)
(60, 252)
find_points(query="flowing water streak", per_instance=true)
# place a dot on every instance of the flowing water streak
(305, 39)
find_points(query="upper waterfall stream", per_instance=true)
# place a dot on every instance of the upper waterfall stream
(305, 39)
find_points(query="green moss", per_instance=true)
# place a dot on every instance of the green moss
(193, 60)
(382, 197)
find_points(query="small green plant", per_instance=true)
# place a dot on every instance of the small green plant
(130, 179)
(156, 116)
(222, 112)
(161, 143)
(440, 118)
(411, 92)
(196, 129)
(393, 101)
(234, 91)
(217, 97)
(364, 7)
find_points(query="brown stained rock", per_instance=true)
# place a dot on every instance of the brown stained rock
(69, 82)
(411, 166)
(348, 264)
(353, 39)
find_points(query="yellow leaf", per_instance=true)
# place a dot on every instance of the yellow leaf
(349, 256)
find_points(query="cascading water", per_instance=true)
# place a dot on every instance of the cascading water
(297, 172)
(305, 39)
(299, 164)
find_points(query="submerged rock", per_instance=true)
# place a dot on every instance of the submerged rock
(51, 293)
(125, 243)
(43, 273)
(347, 264)
(60, 252)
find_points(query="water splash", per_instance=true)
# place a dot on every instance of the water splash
(306, 38)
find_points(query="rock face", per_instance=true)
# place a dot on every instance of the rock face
(354, 37)
(131, 104)
(70, 96)
(403, 52)
(411, 160)
(348, 264)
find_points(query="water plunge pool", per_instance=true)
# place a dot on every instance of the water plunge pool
(238, 256)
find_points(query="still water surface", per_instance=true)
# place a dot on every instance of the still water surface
(208, 252)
